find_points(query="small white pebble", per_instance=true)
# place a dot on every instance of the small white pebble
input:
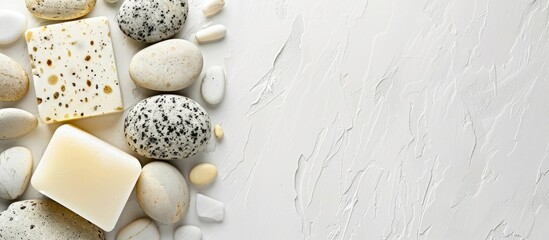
(12, 26)
(210, 34)
(203, 174)
(187, 232)
(212, 7)
(209, 209)
(111, 1)
(213, 85)
(218, 132)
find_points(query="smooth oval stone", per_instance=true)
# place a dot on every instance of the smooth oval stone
(167, 127)
(203, 174)
(16, 123)
(187, 232)
(14, 81)
(170, 65)
(152, 20)
(45, 219)
(15, 172)
(140, 229)
(162, 192)
(213, 85)
(12, 26)
(60, 9)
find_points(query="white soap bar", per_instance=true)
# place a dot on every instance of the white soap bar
(211, 7)
(86, 175)
(74, 70)
(210, 34)
(209, 209)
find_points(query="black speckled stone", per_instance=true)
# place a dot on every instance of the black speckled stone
(152, 20)
(45, 219)
(167, 127)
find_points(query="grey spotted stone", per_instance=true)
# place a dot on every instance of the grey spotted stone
(167, 127)
(45, 219)
(152, 20)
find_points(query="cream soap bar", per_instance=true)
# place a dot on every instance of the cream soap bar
(86, 175)
(74, 70)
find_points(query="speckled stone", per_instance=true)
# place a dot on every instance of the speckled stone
(14, 81)
(167, 127)
(45, 219)
(59, 9)
(152, 20)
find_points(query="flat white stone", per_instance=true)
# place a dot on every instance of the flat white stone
(74, 70)
(140, 229)
(12, 26)
(16, 123)
(187, 232)
(209, 209)
(213, 85)
(15, 171)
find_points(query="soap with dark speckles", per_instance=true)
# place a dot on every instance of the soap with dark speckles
(74, 70)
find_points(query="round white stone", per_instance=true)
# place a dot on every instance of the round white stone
(187, 232)
(170, 65)
(140, 229)
(16, 123)
(111, 1)
(12, 26)
(15, 172)
(14, 81)
(162, 192)
(213, 85)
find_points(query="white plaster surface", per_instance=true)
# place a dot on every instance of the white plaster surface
(355, 119)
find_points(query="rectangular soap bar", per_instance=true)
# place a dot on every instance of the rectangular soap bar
(86, 175)
(74, 70)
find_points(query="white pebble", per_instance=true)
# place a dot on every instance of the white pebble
(218, 131)
(12, 26)
(213, 85)
(203, 174)
(187, 232)
(15, 172)
(211, 33)
(140, 229)
(209, 209)
(111, 1)
(14, 81)
(16, 123)
(162, 192)
(211, 7)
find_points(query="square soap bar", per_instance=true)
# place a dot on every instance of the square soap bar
(86, 175)
(74, 70)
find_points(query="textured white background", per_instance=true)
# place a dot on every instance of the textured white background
(380, 119)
